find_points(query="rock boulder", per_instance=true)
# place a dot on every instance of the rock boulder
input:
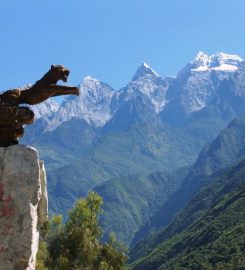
(23, 206)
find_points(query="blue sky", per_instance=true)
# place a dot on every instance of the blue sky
(109, 39)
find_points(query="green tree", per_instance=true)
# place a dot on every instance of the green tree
(76, 245)
(42, 256)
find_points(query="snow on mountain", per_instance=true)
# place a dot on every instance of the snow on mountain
(147, 82)
(197, 92)
(92, 105)
(201, 77)
(193, 89)
(46, 108)
(218, 62)
(144, 70)
(239, 81)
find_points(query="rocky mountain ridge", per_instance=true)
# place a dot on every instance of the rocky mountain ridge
(193, 89)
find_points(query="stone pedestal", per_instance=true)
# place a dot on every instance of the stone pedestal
(23, 206)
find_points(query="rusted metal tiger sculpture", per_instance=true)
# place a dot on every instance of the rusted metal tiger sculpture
(13, 117)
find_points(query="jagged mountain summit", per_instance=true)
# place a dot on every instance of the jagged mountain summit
(194, 88)
(92, 105)
(144, 70)
(98, 102)
(218, 62)
(198, 83)
(148, 86)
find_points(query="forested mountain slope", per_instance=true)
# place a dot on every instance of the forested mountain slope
(209, 233)
(227, 148)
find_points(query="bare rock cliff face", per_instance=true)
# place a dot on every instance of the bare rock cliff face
(23, 206)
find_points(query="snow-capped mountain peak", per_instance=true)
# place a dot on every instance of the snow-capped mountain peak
(202, 59)
(88, 83)
(148, 83)
(225, 62)
(192, 90)
(199, 88)
(144, 70)
(92, 105)
(218, 62)
(89, 79)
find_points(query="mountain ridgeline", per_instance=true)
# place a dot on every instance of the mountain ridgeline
(146, 148)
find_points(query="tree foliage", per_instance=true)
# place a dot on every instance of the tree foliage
(76, 245)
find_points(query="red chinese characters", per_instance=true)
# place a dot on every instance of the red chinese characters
(6, 205)
(6, 211)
